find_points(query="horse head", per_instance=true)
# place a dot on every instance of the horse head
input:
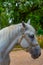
(29, 41)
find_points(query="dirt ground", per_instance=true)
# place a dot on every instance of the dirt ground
(23, 58)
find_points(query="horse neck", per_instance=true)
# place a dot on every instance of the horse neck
(15, 33)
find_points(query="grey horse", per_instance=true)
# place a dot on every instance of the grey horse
(10, 36)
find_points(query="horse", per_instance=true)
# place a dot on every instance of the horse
(22, 33)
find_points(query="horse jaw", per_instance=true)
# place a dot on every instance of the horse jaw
(24, 43)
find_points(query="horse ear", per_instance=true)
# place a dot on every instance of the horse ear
(23, 23)
(28, 21)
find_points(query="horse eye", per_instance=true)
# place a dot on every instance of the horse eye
(31, 36)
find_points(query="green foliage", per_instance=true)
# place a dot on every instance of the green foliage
(40, 31)
(16, 11)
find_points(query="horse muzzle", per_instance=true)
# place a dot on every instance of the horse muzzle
(36, 52)
(35, 56)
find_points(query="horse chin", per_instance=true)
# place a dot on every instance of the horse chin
(34, 57)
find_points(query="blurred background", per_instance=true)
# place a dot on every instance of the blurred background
(16, 11)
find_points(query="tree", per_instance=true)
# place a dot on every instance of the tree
(17, 11)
